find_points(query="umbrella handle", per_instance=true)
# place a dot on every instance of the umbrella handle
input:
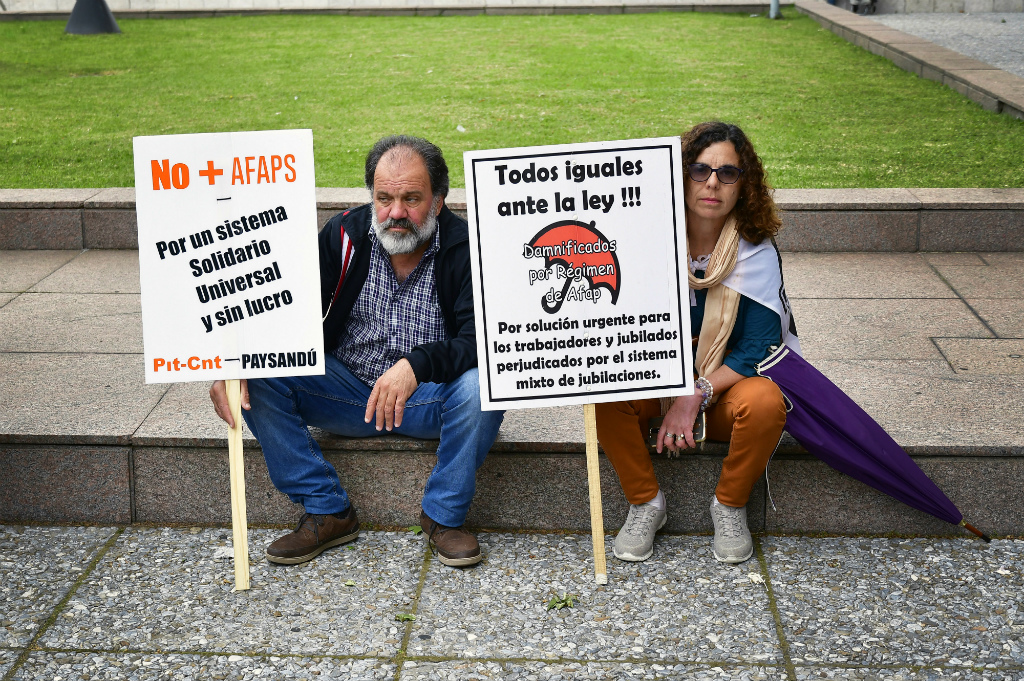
(971, 528)
(558, 303)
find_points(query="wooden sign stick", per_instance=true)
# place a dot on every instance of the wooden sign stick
(236, 464)
(594, 483)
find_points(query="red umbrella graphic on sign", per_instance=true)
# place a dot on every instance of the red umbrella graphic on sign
(582, 252)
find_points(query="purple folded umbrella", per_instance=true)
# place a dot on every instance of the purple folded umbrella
(831, 426)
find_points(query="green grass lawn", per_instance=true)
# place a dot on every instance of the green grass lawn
(822, 112)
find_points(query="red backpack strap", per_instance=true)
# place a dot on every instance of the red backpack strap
(347, 249)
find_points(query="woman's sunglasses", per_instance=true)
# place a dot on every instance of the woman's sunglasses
(700, 172)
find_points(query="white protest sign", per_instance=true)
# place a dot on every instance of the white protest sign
(579, 273)
(228, 255)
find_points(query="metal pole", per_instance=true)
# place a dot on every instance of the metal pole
(773, 10)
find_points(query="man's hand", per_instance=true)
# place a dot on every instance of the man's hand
(219, 397)
(679, 424)
(389, 394)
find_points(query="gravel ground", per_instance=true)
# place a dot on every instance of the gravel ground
(167, 590)
(67, 666)
(638, 616)
(7, 658)
(38, 565)
(929, 674)
(994, 38)
(566, 671)
(159, 605)
(900, 601)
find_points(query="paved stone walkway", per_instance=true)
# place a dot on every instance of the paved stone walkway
(994, 38)
(157, 603)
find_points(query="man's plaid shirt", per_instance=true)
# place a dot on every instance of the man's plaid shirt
(389, 318)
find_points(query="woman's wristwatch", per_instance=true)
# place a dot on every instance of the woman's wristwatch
(707, 390)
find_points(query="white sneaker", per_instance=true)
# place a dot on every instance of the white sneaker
(635, 541)
(732, 538)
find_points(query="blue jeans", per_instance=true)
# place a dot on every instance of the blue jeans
(282, 408)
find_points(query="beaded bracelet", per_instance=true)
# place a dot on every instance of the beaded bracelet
(707, 390)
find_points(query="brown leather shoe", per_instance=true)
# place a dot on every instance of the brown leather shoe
(314, 535)
(453, 545)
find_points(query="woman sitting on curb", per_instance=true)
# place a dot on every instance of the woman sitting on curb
(738, 311)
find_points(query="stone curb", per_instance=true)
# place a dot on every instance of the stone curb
(516, 490)
(815, 220)
(995, 90)
(788, 448)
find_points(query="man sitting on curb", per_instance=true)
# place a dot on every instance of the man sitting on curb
(398, 316)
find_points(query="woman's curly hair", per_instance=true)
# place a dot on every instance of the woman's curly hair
(756, 216)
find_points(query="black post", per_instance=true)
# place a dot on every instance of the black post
(91, 16)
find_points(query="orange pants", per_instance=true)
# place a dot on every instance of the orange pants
(749, 416)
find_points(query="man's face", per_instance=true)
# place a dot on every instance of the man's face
(404, 214)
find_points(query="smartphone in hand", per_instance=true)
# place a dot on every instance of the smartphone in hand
(699, 429)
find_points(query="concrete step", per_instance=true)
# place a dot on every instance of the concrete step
(814, 220)
(929, 344)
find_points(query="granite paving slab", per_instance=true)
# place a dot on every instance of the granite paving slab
(37, 567)
(1004, 260)
(954, 259)
(968, 198)
(142, 667)
(20, 270)
(75, 322)
(989, 357)
(846, 199)
(95, 271)
(166, 590)
(46, 198)
(861, 275)
(185, 417)
(683, 606)
(1004, 315)
(457, 670)
(881, 329)
(925, 407)
(946, 603)
(73, 398)
(1003, 278)
(341, 198)
(113, 197)
(559, 426)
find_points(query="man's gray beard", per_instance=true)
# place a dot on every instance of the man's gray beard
(400, 243)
